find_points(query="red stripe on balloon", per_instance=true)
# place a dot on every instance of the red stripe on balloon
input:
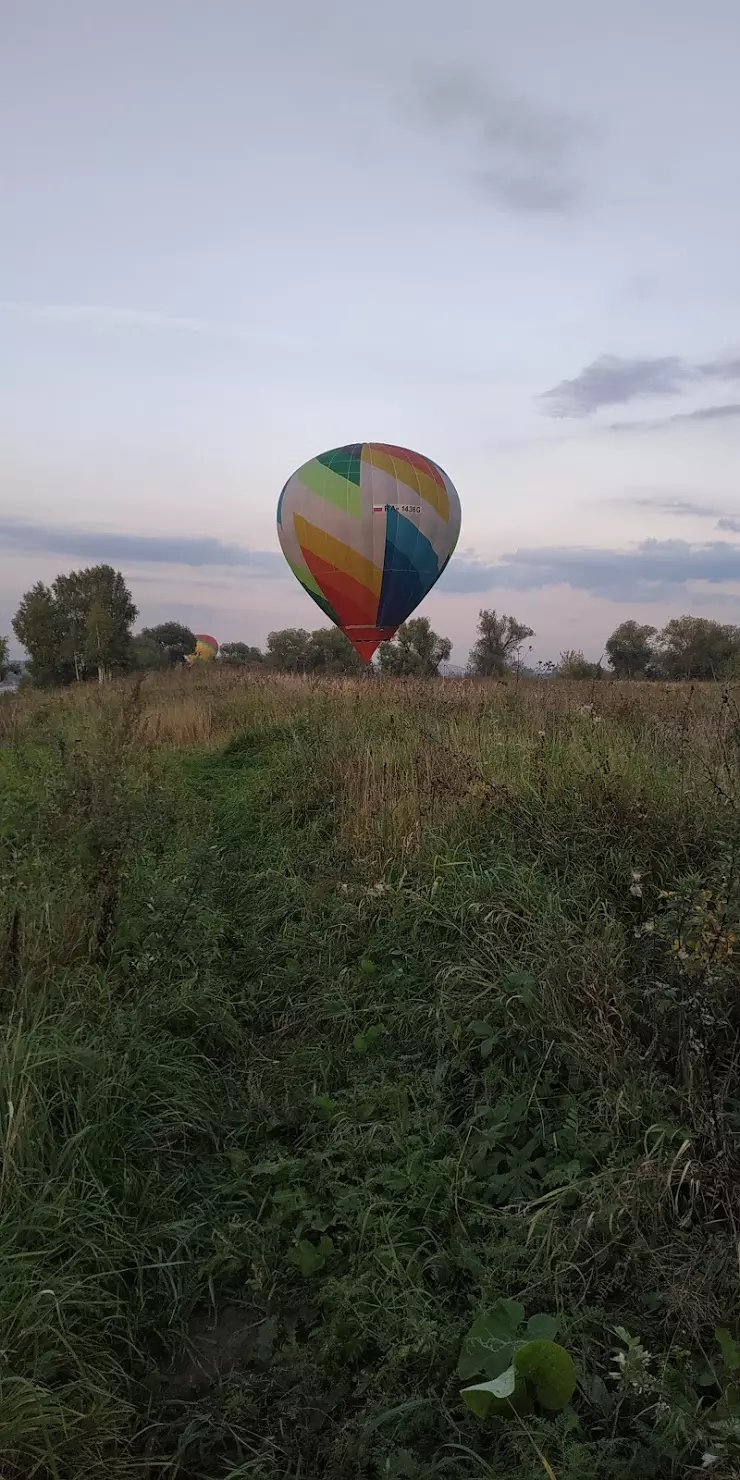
(414, 458)
(352, 602)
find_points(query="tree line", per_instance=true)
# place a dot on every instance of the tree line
(81, 628)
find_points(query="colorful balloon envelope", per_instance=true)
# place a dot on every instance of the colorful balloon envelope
(206, 648)
(367, 530)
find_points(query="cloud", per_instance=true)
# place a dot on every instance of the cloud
(727, 523)
(722, 369)
(103, 545)
(523, 149)
(611, 381)
(103, 316)
(729, 411)
(663, 504)
(656, 570)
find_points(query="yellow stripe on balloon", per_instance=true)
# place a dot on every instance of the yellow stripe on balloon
(426, 487)
(324, 547)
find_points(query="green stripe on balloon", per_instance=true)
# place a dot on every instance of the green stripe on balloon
(331, 486)
(346, 461)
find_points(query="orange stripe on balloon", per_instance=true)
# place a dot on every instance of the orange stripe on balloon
(354, 605)
(398, 465)
(416, 459)
(324, 547)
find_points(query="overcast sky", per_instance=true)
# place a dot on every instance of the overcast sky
(505, 234)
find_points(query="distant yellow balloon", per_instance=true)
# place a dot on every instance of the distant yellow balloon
(206, 648)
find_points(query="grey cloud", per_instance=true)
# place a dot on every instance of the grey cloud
(525, 192)
(662, 504)
(524, 149)
(722, 369)
(731, 524)
(110, 546)
(611, 380)
(729, 411)
(657, 570)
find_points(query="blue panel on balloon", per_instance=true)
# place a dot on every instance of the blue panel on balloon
(410, 570)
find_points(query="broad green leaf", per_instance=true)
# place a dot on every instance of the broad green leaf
(487, 1346)
(729, 1348)
(483, 1396)
(517, 1111)
(507, 1394)
(266, 1338)
(523, 983)
(728, 1406)
(481, 1030)
(542, 1328)
(549, 1370)
(500, 1387)
(479, 1403)
(308, 1257)
(707, 1378)
(599, 1395)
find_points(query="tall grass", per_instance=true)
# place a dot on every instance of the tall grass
(333, 1011)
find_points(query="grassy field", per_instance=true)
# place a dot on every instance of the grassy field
(335, 1013)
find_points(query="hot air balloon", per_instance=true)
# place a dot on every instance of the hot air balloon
(367, 530)
(206, 648)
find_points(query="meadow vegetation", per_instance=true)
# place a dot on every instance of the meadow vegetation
(338, 1016)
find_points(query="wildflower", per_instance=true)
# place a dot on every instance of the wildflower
(632, 1366)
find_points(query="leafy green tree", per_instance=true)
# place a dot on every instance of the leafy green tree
(172, 639)
(240, 652)
(146, 655)
(697, 647)
(287, 650)
(497, 650)
(97, 615)
(631, 650)
(82, 624)
(330, 651)
(99, 639)
(38, 625)
(416, 650)
(3, 657)
(573, 664)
